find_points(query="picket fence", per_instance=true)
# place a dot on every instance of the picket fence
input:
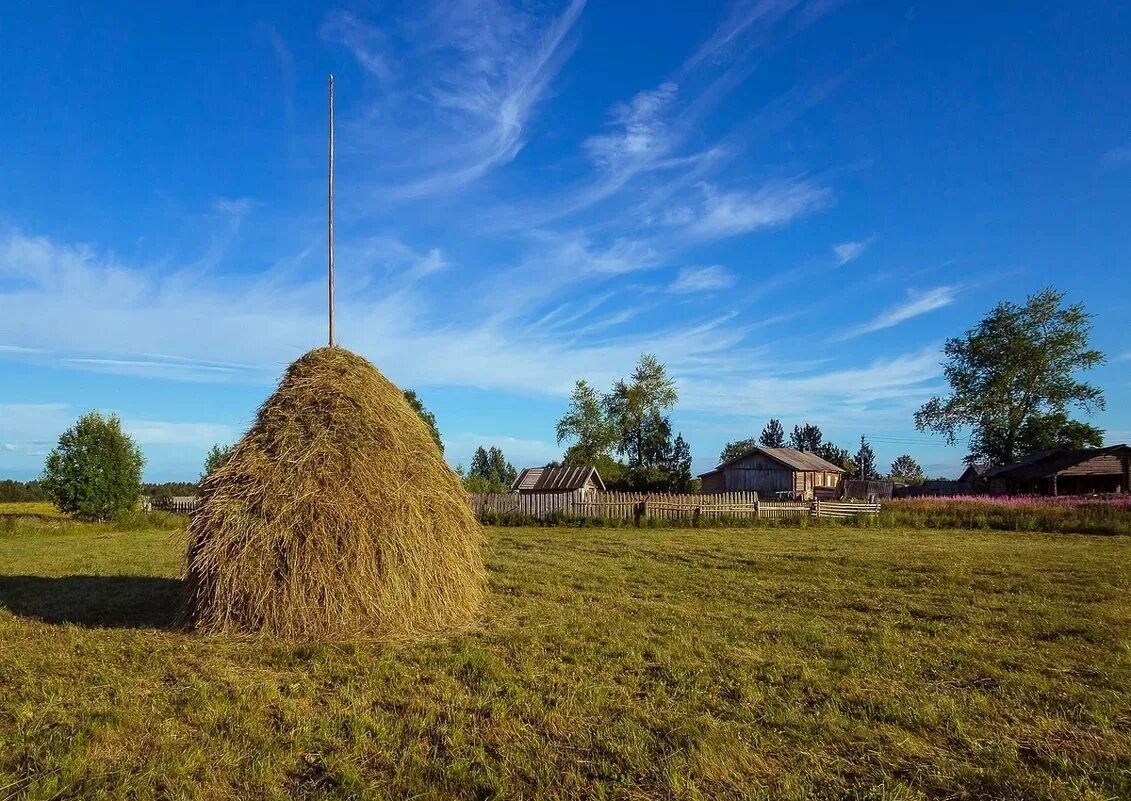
(636, 506)
(619, 505)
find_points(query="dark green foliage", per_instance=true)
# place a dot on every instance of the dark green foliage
(1043, 431)
(679, 466)
(740, 447)
(631, 420)
(805, 438)
(217, 457)
(95, 471)
(425, 415)
(906, 470)
(22, 491)
(1018, 365)
(489, 471)
(586, 422)
(636, 410)
(865, 461)
(170, 489)
(838, 456)
(773, 435)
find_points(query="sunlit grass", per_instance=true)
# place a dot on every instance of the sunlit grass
(779, 664)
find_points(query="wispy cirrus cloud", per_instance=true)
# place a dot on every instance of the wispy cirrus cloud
(849, 251)
(703, 279)
(1117, 157)
(638, 130)
(368, 44)
(917, 303)
(747, 18)
(469, 77)
(725, 213)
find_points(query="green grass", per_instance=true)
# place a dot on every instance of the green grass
(831, 663)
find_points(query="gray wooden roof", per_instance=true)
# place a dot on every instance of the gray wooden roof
(546, 479)
(802, 461)
(1044, 464)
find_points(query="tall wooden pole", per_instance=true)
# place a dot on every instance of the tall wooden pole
(330, 233)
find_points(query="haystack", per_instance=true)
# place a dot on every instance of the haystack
(336, 517)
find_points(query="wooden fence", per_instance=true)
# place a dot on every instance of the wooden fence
(618, 505)
(636, 506)
(180, 505)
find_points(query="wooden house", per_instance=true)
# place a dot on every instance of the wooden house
(1064, 471)
(773, 472)
(584, 481)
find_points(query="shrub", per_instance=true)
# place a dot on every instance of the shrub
(95, 471)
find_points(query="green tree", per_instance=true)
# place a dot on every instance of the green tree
(1017, 364)
(906, 470)
(586, 423)
(22, 492)
(1044, 431)
(865, 461)
(217, 457)
(679, 466)
(95, 471)
(429, 419)
(773, 435)
(489, 471)
(834, 454)
(740, 447)
(805, 438)
(636, 410)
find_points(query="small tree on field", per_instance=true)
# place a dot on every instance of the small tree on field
(95, 471)
(906, 470)
(217, 457)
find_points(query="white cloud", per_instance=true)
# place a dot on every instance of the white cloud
(199, 435)
(1117, 157)
(918, 303)
(775, 203)
(368, 43)
(848, 251)
(563, 320)
(471, 78)
(1124, 357)
(639, 130)
(746, 19)
(702, 279)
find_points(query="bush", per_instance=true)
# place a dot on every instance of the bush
(95, 472)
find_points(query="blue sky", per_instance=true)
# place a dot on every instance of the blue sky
(791, 203)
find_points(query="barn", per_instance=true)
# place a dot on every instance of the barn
(582, 480)
(773, 471)
(1065, 471)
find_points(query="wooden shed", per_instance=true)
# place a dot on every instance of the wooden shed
(1064, 471)
(772, 472)
(582, 480)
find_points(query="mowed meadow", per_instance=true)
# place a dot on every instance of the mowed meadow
(778, 663)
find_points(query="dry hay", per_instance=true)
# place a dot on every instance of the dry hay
(336, 517)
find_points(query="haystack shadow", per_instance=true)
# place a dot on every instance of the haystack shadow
(136, 602)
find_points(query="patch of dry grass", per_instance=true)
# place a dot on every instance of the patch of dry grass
(824, 663)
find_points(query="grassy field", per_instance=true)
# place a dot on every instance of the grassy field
(620, 664)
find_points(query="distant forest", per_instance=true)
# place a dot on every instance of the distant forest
(31, 491)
